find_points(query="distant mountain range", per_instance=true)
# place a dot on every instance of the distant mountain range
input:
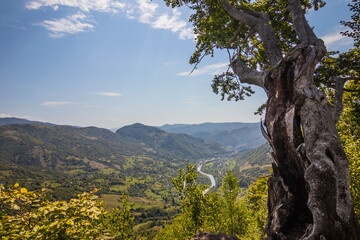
(137, 160)
(37, 153)
(59, 156)
(238, 136)
(47, 146)
(7, 121)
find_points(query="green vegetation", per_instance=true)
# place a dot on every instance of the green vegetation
(247, 165)
(225, 211)
(30, 215)
(349, 130)
(339, 75)
(69, 160)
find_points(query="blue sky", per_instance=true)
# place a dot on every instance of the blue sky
(110, 63)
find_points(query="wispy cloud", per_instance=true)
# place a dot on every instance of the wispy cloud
(84, 5)
(55, 104)
(70, 25)
(109, 94)
(336, 39)
(212, 69)
(144, 11)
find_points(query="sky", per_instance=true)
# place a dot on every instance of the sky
(111, 63)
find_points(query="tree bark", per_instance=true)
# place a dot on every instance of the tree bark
(309, 196)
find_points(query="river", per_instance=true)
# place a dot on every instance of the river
(212, 179)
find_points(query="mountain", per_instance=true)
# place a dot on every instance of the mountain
(251, 164)
(238, 136)
(57, 157)
(191, 129)
(12, 120)
(170, 144)
(138, 160)
(247, 165)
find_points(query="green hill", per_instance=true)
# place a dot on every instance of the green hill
(169, 144)
(247, 165)
(138, 159)
(251, 164)
(12, 120)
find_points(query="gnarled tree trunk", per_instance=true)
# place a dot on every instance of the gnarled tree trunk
(309, 196)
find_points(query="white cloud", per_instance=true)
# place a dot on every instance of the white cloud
(336, 39)
(55, 104)
(70, 25)
(109, 94)
(158, 18)
(84, 5)
(187, 33)
(144, 11)
(212, 69)
(170, 22)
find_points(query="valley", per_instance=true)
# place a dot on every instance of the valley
(137, 160)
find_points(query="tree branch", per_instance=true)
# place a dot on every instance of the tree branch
(338, 103)
(350, 90)
(248, 75)
(260, 23)
(303, 30)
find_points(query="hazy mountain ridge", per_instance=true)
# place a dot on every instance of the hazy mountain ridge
(20, 141)
(13, 120)
(58, 156)
(137, 160)
(72, 159)
(180, 145)
(239, 136)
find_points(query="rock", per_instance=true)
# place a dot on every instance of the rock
(213, 236)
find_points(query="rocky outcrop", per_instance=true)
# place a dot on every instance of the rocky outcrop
(213, 236)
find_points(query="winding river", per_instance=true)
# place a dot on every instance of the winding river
(212, 179)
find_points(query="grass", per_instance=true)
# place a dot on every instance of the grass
(113, 200)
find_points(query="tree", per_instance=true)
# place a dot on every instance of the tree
(209, 212)
(256, 200)
(29, 215)
(340, 77)
(271, 45)
(121, 220)
(349, 130)
(230, 188)
(191, 195)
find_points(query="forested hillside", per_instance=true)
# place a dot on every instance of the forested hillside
(12, 120)
(137, 160)
(238, 136)
(59, 156)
